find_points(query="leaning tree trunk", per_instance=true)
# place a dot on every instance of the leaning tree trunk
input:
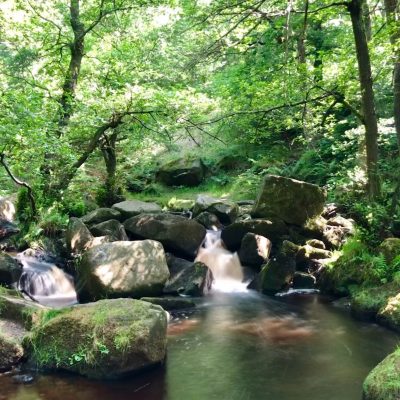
(355, 8)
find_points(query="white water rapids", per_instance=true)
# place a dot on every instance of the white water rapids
(224, 265)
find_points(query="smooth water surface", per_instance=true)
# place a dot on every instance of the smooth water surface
(242, 346)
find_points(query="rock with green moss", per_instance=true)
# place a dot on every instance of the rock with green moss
(383, 382)
(101, 214)
(291, 200)
(184, 171)
(390, 248)
(10, 270)
(123, 269)
(107, 339)
(11, 352)
(177, 234)
(271, 228)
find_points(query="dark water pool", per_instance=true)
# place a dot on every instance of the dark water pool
(243, 347)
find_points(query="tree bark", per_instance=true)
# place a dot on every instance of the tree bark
(355, 8)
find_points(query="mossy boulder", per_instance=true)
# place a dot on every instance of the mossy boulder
(302, 280)
(177, 234)
(106, 339)
(226, 211)
(383, 382)
(390, 248)
(10, 270)
(272, 228)
(11, 352)
(291, 200)
(122, 269)
(131, 208)
(183, 171)
(101, 215)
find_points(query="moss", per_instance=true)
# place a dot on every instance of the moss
(383, 381)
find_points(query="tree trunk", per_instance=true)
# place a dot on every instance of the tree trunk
(355, 8)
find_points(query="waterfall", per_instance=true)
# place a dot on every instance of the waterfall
(46, 283)
(224, 265)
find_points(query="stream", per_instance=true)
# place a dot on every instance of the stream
(239, 346)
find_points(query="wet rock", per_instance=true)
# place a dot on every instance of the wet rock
(318, 244)
(7, 229)
(24, 379)
(101, 215)
(277, 274)
(187, 278)
(390, 248)
(209, 221)
(225, 210)
(383, 383)
(254, 250)
(106, 339)
(112, 228)
(11, 352)
(122, 269)
(171, 303)
(302, 280)
(182, 172)
(271, 228)
(10, 270)
(177, 234)
(77, 236)
(131, 208)
(288, 199)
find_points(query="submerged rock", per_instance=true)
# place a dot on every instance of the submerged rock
(122, 269)
(383, 383)
(101, 215)
(291, 200)
(181, 172)
(176, 233)
(131, 208)
(106, 339)
(226, 211)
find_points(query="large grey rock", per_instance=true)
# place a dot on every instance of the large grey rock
(131, 208)
(277, 274)
(10, 270)
(187, 278)
(111, 228)
(225, 210)
(254, 250)
(291, 200)
(181, 172)
(100, 215)
(122, 269)
(272, 228)
(77, 236)
(177, 234)
(106, 339)
(7, 208)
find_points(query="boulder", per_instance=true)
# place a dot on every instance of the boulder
(112, 228)
(171, 303)
(390, 248)
(175, 204)
(176, 233)
(209, 221)
(254, 250)
(122, 269)
(307, 253)
(302, 280)
(131, 208)
(277, 274)
(106, 339)
(187, 278)
(182, 172)
(7, 229)
(10, 270)
(101, 215)
(318, 244)
(288, 199)
(7, 208)
(11, 352)
(225, 210)
(272, 228)
(77, 236)
(383, 383)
